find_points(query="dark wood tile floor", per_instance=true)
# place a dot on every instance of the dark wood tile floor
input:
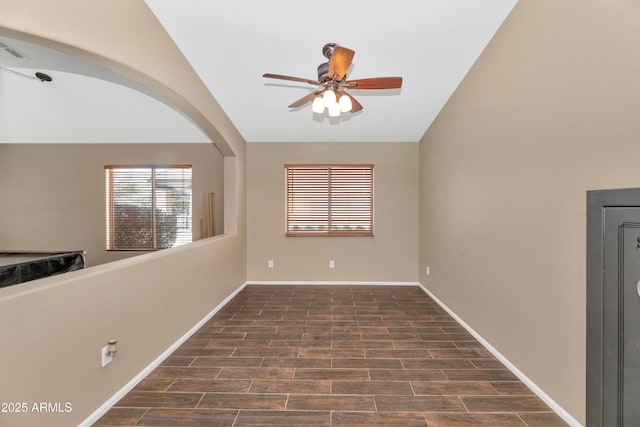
(331, 356)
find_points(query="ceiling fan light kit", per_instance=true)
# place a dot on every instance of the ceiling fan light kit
(332, 83)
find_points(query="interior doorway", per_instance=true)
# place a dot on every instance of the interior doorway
(613, 308)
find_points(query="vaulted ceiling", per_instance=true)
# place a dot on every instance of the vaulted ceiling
(432, 44)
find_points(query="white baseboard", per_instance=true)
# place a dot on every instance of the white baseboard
(329, 283)
(95, 416)
(521, 376)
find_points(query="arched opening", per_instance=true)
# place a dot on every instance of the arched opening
(56, 137)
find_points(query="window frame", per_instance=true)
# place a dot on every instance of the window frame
(329, 232)
(109, 204)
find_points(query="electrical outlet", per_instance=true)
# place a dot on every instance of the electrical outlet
(427, 270)
(106, 359)
(270, 263)
(332, 264)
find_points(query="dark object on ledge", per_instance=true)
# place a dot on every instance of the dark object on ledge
(22, 266)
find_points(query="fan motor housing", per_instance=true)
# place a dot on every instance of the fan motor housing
(323, 72)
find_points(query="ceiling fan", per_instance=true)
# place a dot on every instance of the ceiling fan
(333, 85)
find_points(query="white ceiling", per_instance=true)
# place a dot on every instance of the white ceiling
(432, 44)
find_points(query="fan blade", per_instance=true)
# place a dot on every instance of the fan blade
(307, 98)
(340, 62)
(375, 83)
(294, 79)
(355, 105)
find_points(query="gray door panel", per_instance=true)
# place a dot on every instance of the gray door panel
(621, 317)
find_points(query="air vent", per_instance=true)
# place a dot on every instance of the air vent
(6, 49)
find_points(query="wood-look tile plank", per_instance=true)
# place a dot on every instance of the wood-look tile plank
(310, 402)
(480, 375)
(362, 344)
(256, 373)
(354, 329)
(219, 335)
(446, 337)
(383, 322)
(121, 417)
(504, 404)
(238, 343)
(429, 345)
(367, 363)
(178, 361)
(213, 352)
(210, 386)
(328, 335)
(250, 328)
(372, 387)
(397, 354)
(154, 384)
(406, 375)
(390, 337)
(221, 322)
(147, 399)
(265, 352)
(283, 336)
(331, 353)
(514, 388)
(549, 419)
(331, 374)
(487, 363)
(195, 343)
(221, 362)
(291, 386)
(457, 354)
(435, 363)
(419, 404)
(276, 402)
(299, 362)
(454, 329)
(283, 418)
(453, 388)
(330, 323)
(276, 323)
(189, 417)
(386, 419)
(183, 372)
(467, 344)
(432, 323)
(474, 420)
(300, 344)
(416, 330)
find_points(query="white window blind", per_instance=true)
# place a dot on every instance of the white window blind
(329, 200)
(148, 207)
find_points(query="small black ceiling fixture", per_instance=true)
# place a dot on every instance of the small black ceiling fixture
(43, 77)
(38, 75)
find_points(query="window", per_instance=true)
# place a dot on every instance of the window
(148, 207)
(329, 200)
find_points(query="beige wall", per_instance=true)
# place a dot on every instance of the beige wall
(57, 192)
(391, 255)
(549, 111)
(53, 329)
